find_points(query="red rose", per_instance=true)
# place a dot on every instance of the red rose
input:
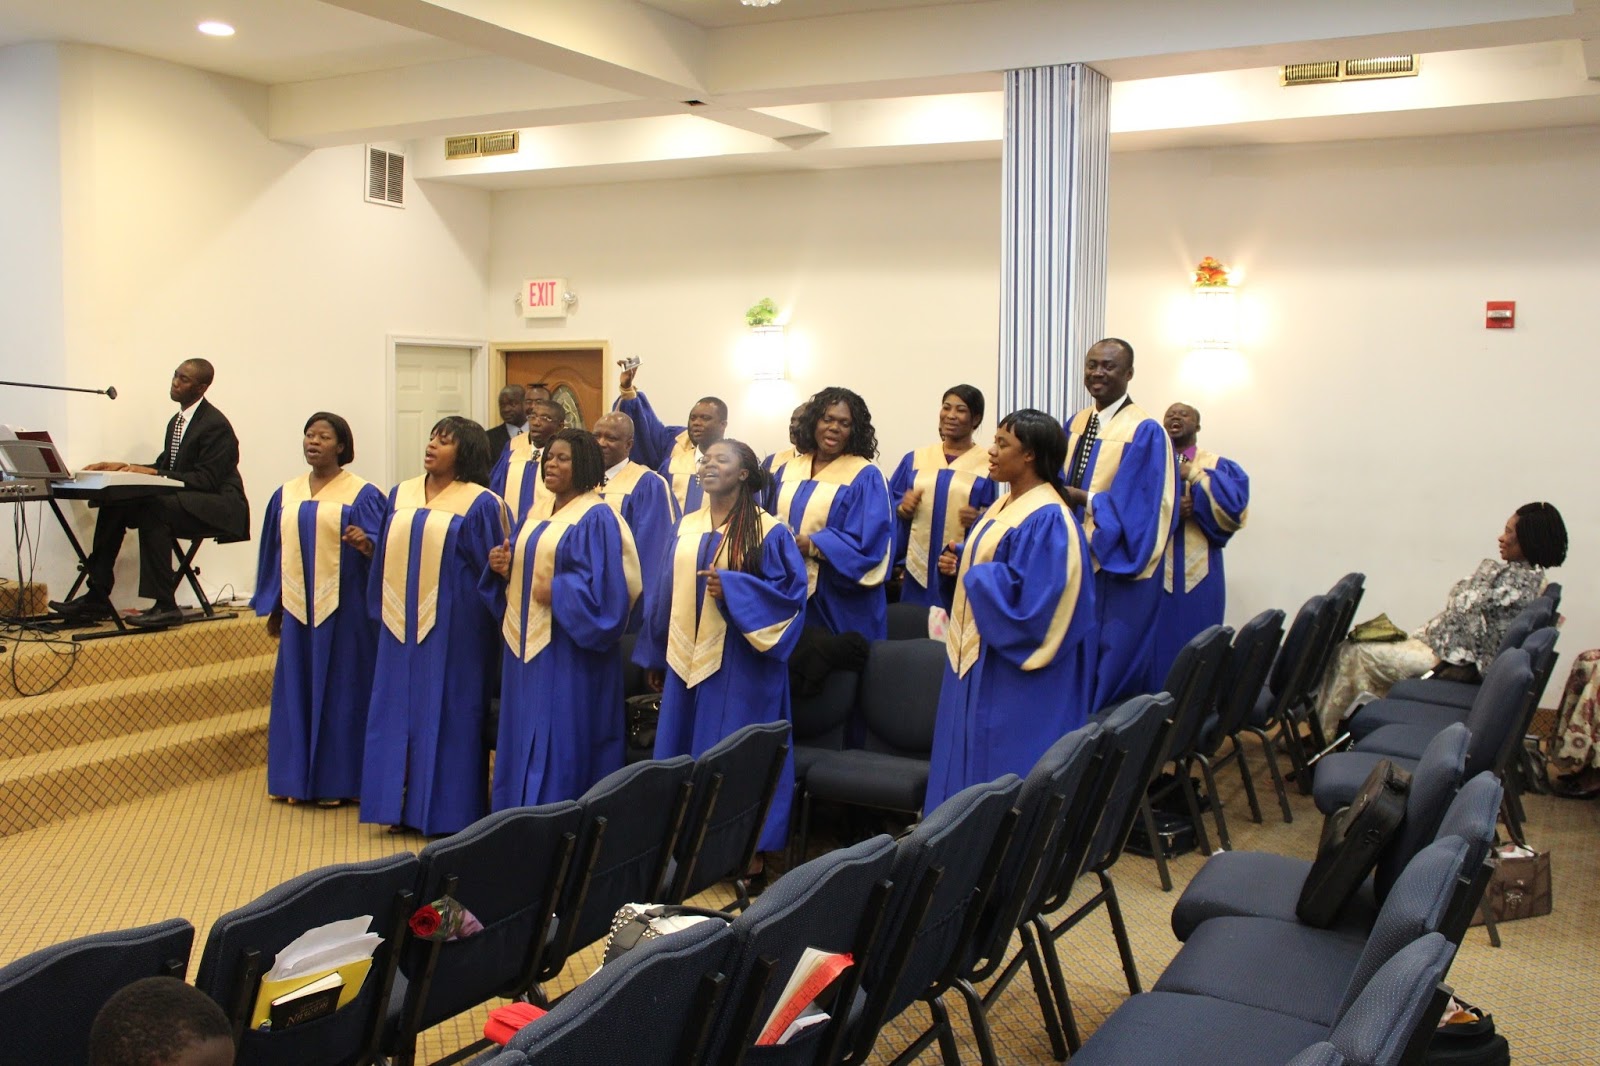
(425, 922)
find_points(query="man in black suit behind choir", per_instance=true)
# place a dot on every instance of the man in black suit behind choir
(202, 453)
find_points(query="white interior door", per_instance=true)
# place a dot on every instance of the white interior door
(430, 382)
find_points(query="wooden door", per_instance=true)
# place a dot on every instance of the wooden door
(574, 376)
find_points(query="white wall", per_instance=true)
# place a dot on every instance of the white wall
(1384, 428)
(187, 232)
(889, 278)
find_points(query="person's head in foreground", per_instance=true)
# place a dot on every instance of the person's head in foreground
(160, 1021)
(1535, 534)
(1029, 449)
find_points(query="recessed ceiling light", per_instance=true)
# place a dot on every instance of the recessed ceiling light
(215, 29)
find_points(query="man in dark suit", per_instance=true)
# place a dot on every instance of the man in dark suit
(513, 419)
(202, 453)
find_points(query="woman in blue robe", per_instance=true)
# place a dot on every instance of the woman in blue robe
(721, 620)
(426, 764)
(311, 580)
(837, 504)
(563, 592)
(938, 492)
(1022, 637)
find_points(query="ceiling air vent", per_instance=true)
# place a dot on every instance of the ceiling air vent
(498, 143)
(1350, 70)
(461, 147)
(386, 177)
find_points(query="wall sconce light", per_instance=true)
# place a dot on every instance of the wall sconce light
(766, 342)
(1214, 324)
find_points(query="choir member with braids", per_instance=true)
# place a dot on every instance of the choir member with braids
(722, 618)
(425, 760)
(563, 592)
(837, 503)
(1022, 635)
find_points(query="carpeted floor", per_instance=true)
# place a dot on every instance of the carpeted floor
(202, 849)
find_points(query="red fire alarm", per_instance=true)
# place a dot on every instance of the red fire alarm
(1500, 314)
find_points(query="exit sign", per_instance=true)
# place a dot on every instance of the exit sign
(541, 298)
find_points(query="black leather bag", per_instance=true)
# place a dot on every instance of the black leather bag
(1351, 844)
(1468, 1043)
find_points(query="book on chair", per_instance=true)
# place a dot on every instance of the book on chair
(814, 974)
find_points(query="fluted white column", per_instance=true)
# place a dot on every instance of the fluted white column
(1053, 254)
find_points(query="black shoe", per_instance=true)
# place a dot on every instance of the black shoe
(89, 607)
(157, 618)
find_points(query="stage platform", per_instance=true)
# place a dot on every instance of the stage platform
(87, 725)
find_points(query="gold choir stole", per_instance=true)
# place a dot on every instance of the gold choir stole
(927, 462)
(684, 467)
(524, 476)
(833, 477)
(312, 607)
(694, 648)
(526, 624)
(411, 506)
(1196, 548)
(1115, 435)
(616, 489)
(963, 643)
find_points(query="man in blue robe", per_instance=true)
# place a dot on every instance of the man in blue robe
(1122, 483)
(674, 452)
(1213, 501)
(640, 497)
(516, 476)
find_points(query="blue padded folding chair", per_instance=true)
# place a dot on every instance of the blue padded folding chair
(1496, 714)
(1388, 1023)
(1266, 884)
(1243, 674)
(833, 903)
(1287, 699)
(508, 869)
(242, 944)
(821, 719)
(631, 821)
(908, 621)
(733, 784)
(943, 872)
(652, 1006)
(48, 998)
(1310, 973)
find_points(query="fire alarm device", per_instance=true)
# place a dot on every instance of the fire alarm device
(1500, 314)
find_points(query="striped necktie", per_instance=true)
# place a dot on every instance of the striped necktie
(1080, 461)
(177, 439)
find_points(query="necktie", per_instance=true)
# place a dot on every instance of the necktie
(172, 446)
(1080, 461)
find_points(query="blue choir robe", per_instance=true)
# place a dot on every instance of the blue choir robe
(323, 679)
(561, 699)
(665, 449)
(518, 478)
(947, 486)
(641, 498)
(769, 490)
(426, 763)
(1020, 644)
(1194, 592)
(1134, 478)
(844, 509)
(726, 664)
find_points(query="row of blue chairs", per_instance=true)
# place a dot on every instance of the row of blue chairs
(544, 882)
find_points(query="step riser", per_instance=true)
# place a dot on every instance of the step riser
(63, 725)
(61, 667)
(30, 802)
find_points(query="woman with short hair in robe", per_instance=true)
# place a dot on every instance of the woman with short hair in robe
(1021, 639)
(938, 492)
(311, 581)
(837, 503)
(563, 592)
(722, 619)
(426, 765)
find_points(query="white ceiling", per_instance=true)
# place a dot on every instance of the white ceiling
(601, 88)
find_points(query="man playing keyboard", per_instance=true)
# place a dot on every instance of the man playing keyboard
(202, 453)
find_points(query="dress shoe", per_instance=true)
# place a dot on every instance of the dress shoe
(157, 618)
(89, 607)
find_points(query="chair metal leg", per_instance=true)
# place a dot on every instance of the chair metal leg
(1058, 984)
(1490, 926)
(1513, 823)
(1119, 930)
(1216, 802)
(948, 1051)
(978, 1012)
(1157, 849)
(1186, 783)
(1033, 951)
(1246, 778)
(1277, 775)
